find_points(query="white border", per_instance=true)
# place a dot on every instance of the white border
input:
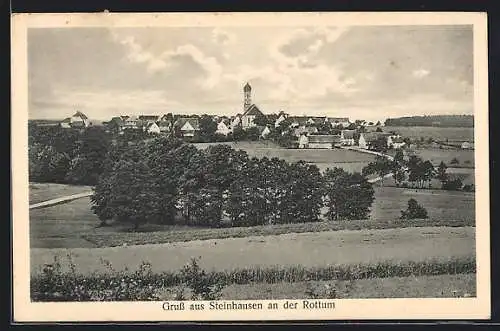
(464, 308)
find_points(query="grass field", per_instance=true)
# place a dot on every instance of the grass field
(464, 157)
(323, 158)
(305, 249)
(389, 201)
(65, 225)
(459, 285)
(39, 192)
(440, 134)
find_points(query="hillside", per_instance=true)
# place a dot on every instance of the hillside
(435, 120)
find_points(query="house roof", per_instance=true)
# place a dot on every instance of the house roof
(148, 117)
(192, 121)
(348, 134)
(252, 110)
(338, 119)
(124, 117)
(324, 138)
(247, 87)
(299, 119)
(81, 115)
(66, 120)
(371, 136)
(150, 124)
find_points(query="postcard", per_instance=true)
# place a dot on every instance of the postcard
(250, 166)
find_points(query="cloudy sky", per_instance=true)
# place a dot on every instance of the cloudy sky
(359, 72)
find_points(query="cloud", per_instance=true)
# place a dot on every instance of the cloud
(420, 73)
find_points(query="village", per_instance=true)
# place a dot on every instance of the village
(303, 132)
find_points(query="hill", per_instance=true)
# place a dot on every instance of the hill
(466, 121)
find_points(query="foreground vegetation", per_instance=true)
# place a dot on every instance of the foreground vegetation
(144, 285)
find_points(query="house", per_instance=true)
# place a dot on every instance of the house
(467, 145)
(298, 121)
(264, 132)
(148, 118)
(152, 127)
(281, 117)
(366, 138)
(79, 119)
(303, 141)
(335, 121)
(165, 126)
(223, 127)
(249, 116)
(236, 121)
(316, 120)
(323, 141)
(347, 137)
(395, 141)
(131, 122)
(188, 126)
(305, 130)
(116, 124)
(65, 123)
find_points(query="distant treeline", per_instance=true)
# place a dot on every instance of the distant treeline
(466, 121)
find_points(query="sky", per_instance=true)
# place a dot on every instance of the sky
(360, 72)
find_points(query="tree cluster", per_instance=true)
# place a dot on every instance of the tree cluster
(167, 181)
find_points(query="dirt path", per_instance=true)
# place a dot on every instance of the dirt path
(53, 202)
(306, 249)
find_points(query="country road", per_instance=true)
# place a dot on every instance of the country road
(64, 199)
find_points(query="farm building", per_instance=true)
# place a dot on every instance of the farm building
(78, 120)
(365, 138)
(188, 126)
(319, 141)
(347, 137)
(152, 127)
(281, 117)
(335, 121)
(223, 128)
(305, 130)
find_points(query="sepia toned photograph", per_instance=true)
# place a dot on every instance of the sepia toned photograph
(234, 166)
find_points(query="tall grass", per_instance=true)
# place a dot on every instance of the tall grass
(143, 284)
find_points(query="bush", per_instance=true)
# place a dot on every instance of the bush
(203, 286)
(452, 184)
(468, 188)
(414, 211)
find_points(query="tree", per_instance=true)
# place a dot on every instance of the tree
(379, 129)
(207, 128)
(379, 144)
(90, 156)
(261, 120)
(46, 164)
(454, 161)
(452, 184)
(325, 128)
(441, 172)
(349, 196)
(427, 171)
(398, 168)
(414, 211)
(382, 167)
(239, 134)
(253, 133)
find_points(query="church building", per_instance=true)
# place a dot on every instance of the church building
(250, 110)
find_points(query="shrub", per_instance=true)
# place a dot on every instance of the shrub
(414, 211)
(452, 184)
(468, 188)
(203, 286)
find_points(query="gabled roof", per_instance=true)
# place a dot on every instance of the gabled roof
(348, 134)
(124, 117)
(192, 121)
(252, 110)
(150, 124)
(338, 119)
(164, 123)
(66, 120)
(324, 138)
(298, 119)
(81, 115)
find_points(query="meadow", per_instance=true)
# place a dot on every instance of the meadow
(435, 155)
(305, 249)
(439, 134)
(323, 158)
(39, 192)
(73, 224)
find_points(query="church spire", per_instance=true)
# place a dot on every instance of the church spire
(247, 92)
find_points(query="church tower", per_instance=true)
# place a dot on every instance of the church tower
(247, 91)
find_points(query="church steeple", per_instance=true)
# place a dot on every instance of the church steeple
(247, 92)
